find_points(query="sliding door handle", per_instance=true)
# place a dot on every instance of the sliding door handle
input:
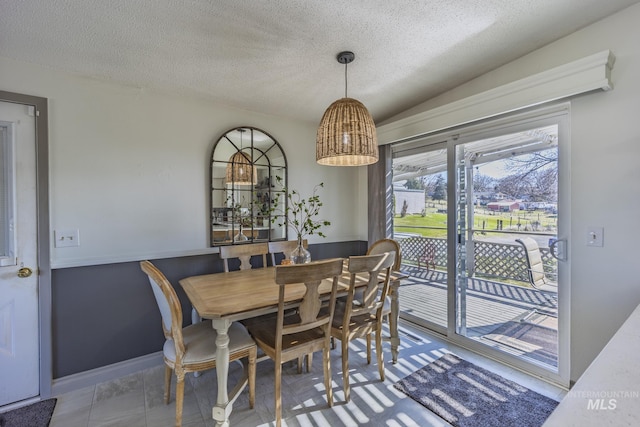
(558, 249)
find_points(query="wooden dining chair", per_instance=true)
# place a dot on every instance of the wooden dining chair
(379, 247)
(244, 254)
(387, 245)
(284, 247)
(289, 337)
(359, 318)
(193, 349)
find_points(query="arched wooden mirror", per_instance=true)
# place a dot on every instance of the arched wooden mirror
(248, 175)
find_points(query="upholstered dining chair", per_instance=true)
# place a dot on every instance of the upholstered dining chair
(284, 247)
(387, 245)
(289, 337)
(193, 348)
(244, 254)
(362, 317)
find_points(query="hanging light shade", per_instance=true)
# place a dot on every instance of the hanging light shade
(240, 171)
(347, 134)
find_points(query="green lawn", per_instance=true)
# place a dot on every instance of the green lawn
(434, 224)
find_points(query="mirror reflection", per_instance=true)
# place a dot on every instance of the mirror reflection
(244, 189)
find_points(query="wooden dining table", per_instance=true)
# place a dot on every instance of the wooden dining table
(243, 294)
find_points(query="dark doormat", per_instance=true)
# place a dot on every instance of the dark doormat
(534, 336)
(35, 415)
(466, 395)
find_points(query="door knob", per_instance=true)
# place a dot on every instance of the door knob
(25, 272)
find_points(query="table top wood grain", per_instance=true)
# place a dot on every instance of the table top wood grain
(243, 294)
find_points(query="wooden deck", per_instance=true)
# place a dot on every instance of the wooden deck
(490, 304)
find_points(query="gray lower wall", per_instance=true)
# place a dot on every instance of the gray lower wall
(106, 314)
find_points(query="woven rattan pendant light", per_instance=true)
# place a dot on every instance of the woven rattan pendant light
(346, 135)
(240, 171)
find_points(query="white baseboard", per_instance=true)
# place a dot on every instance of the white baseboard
(105, 373)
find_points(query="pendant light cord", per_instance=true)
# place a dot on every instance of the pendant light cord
(346, 64)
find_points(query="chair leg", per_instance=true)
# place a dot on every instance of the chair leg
(369, 349)
(326, 363)
(252, 377)
(345, 368)
(167, 383)
(305, 360)
(278, 393)
(179, 397)
(379, 352)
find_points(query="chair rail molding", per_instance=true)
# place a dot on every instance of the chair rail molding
(587, 74)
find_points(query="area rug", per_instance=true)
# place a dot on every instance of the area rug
(466, 395)
(536, 337)
(35, 415)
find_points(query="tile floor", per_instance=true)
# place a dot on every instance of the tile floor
(136, 400)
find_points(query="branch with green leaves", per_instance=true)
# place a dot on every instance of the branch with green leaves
(300, 213)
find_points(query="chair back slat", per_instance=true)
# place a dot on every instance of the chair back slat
(244, 254)
(284, 247)
(375, 292)
(311, 275)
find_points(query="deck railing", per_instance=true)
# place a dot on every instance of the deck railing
(499, 260)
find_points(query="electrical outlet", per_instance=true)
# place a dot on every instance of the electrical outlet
(66, 238)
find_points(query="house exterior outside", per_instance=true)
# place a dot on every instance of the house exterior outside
(504, 206)
(413, 200)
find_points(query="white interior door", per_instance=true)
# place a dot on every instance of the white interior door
(19, 335)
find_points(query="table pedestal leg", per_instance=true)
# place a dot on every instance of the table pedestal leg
(223, 407)
(393, 320)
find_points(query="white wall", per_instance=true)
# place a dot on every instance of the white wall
(605, 177)
(129, 167)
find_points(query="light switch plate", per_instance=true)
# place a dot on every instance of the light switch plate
(66, 238)
(595, 236)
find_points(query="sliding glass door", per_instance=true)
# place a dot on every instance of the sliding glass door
(494, 277)
(420, 225)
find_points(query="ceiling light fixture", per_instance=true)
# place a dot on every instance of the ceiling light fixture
(240, 171)
(347, 134)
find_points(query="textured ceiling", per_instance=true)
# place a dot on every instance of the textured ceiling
(278, 57)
